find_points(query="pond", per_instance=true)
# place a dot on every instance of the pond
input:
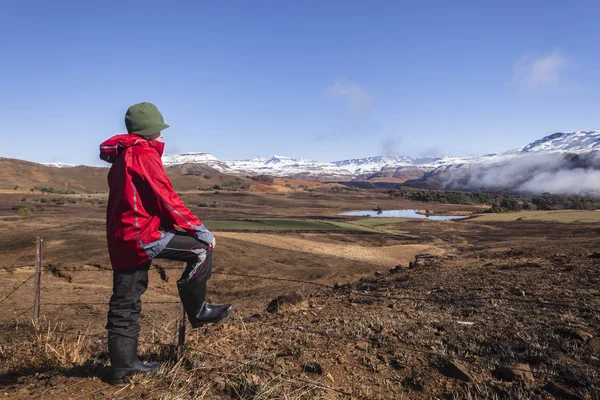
(401, 214)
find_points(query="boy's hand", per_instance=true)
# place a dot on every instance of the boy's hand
(213, 243)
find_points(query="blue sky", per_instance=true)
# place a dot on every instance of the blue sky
(325, 80)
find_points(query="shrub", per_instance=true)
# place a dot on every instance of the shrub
(262, 178)
(206, 176)
(24, 199)
(344, 188)
(22, 210)
(202, 205)
(43, 200)
(45, 189)
(213, 204)
(16, 187)
(230, 186)
(72, 201)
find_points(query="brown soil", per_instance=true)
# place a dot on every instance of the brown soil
(496, 294)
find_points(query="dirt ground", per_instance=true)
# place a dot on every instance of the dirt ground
(371, 322)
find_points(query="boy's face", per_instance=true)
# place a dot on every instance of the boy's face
(157, 136)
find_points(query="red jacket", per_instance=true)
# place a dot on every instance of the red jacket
(142, 204)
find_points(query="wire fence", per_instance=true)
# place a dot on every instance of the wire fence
(300, 329)
(17, 288)
(368, 294)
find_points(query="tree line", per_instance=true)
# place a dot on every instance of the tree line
(498, 202)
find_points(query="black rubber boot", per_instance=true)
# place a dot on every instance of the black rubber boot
(122, 351)
(199, 312)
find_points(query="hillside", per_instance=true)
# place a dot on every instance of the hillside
(26, 175)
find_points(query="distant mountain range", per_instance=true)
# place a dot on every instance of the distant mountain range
(398, 167)
(564, 162)
(290, 166)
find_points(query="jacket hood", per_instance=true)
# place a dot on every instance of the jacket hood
(111, 148)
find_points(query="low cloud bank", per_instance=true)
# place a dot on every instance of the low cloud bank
(565, 174)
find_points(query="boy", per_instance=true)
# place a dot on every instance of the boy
(146, 219)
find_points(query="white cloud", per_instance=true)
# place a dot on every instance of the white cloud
(357, 97)
(537, 71)
(530, 173)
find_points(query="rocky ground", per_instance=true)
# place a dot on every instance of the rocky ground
(493, 310)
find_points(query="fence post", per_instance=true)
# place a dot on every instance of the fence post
(38, 280)
(181, 338)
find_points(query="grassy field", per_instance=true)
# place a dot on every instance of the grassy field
(304, 225)
(379, 221)
(282, 225)
(397, 232)
(566, 216)
(240, 225)
(353, 227)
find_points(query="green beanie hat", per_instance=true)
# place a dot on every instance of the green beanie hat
(144, 119)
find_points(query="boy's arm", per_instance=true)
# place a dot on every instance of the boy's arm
(168, 203)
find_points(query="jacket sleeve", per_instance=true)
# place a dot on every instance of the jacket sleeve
(168, 203)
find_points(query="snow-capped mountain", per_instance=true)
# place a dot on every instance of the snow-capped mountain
(290, 166)
(195, 158)
(572, 142)
(562, 163)
(282, 166)
(369, 165)
(59, 165)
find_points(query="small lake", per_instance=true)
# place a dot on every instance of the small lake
(401, 214)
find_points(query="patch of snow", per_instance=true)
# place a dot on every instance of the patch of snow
(194, 158)
(59, 165)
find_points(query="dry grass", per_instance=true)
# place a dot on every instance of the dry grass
(564, 216)
(197, 374)
(63, 350)
(310, 243)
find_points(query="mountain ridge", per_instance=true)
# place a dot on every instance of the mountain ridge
(283, 166)
(562, 163)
